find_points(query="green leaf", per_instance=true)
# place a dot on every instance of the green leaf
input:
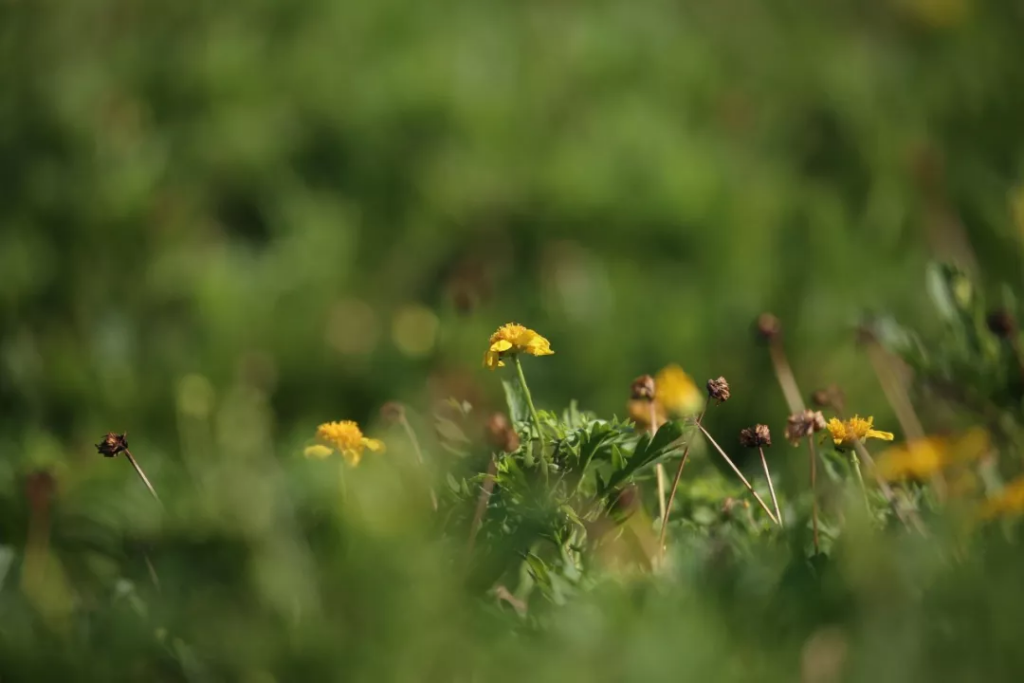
(518, 409)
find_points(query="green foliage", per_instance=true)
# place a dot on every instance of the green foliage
(222, 224)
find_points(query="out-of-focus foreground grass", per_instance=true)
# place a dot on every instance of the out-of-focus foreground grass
(221, 225)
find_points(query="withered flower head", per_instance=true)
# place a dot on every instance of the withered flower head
(113, 444)
(392, 412)
(643, 388)
(830, 397)
(803, 424)
(501, 434)
(768, 327)
(1001, 323)
(756, 436)
(718, 389)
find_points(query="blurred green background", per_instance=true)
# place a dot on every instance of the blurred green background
(310, 208)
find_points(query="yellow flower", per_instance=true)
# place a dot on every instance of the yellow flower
(1010, 500)
(511, 339)
(345, 438)
(855, 429)
(676, 392)
(922, 458)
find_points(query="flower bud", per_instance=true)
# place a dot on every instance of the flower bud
(392, 412)
(768, 327)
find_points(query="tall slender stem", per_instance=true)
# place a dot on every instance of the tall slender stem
(814, 492)
(739, 474)
(409, 432)
(784, 373)
(659, 469)
(675, 485)
(860, 480)
(533, 413)
(771, 487)
(142, 475)
(896, 393)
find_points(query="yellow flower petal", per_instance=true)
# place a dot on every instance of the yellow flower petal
(346, 438)
(375, 445)
(676, 393)
(884, 436)
(1010, 500)
(511, 339)
(317, 452)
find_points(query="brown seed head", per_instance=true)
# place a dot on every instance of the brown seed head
(768, 327)
(1001, 323)
(830, 397)
(113, 444)
(718, 389)
(643, 388)
(501, 434)
(392, 412)
(756, 436)
(804, 424)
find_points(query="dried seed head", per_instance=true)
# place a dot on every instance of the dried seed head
(718, 389)
(1001, 323)
(768, 327)
(113, 444)
(804, 424)
(643, 388)
(501, 434)
(830, 397)
(392, 412)
(756, 436)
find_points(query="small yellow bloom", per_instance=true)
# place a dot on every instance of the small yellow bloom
(922, 458)
(676, 392)
(345, 438)
(844, 434)
(1009, 501)
(511, 339)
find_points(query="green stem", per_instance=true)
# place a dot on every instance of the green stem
(860, 480)
(533, 411)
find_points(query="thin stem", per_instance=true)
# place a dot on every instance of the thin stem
(533, 412)
(675, 486)
(860, 480)
(738, 474)
(814, 492)
(784, 373)
(771, 487)
(481, 505)
(898, 398)
(419, 452)
(142, 475)
(659, 469)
